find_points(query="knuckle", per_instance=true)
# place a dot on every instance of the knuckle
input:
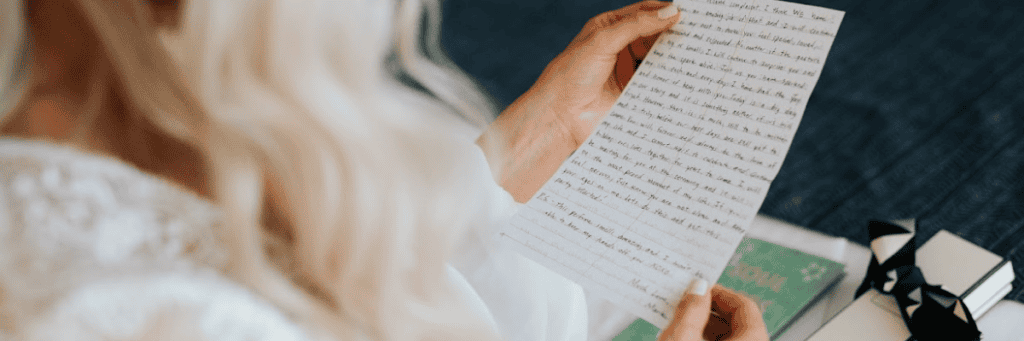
(600, 21)
(607, 19)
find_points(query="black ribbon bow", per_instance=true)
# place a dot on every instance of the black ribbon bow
(930, 312)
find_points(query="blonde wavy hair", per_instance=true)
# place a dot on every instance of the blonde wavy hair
(346, 112)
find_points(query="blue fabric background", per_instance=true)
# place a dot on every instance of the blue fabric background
(919, 112)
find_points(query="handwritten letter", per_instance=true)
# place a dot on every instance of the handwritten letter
(666, 186)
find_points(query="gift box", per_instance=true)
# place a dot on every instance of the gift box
(980, 278)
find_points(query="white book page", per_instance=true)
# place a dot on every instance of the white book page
(666, 186)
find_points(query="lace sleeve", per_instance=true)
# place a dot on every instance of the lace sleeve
(69, 218)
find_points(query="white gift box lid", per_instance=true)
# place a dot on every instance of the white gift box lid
(978, 276)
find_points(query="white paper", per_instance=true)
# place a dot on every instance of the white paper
(666, 186)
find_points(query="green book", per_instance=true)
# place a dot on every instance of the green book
(781, 280)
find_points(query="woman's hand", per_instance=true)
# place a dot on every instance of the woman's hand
(735, 318)
(589, 75)
(534, 135)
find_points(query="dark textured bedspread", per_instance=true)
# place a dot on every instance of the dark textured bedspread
(918, 114)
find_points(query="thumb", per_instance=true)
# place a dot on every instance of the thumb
(632, 26)
(691, 315)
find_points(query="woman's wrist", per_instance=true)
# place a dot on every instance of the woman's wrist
(526, 144)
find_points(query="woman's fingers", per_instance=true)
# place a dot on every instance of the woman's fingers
(627, 34)
(639, 48)
(613, 31)
(625, 66)
(609, 18)
(740, 312)
(691, 315)
(718, 328)
(630, 58)
(592, 59)
(735, 318)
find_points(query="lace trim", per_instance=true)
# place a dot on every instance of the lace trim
(67, 216)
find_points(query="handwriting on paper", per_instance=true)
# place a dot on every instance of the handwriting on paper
(667, 184)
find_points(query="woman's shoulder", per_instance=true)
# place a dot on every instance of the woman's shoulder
(62, 201)
(89, 243)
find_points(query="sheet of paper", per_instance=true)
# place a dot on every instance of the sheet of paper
(666, 186)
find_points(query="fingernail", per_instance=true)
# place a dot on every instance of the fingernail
(698, 287)
(668, 11)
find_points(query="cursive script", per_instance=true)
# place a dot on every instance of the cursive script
(666, 186)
